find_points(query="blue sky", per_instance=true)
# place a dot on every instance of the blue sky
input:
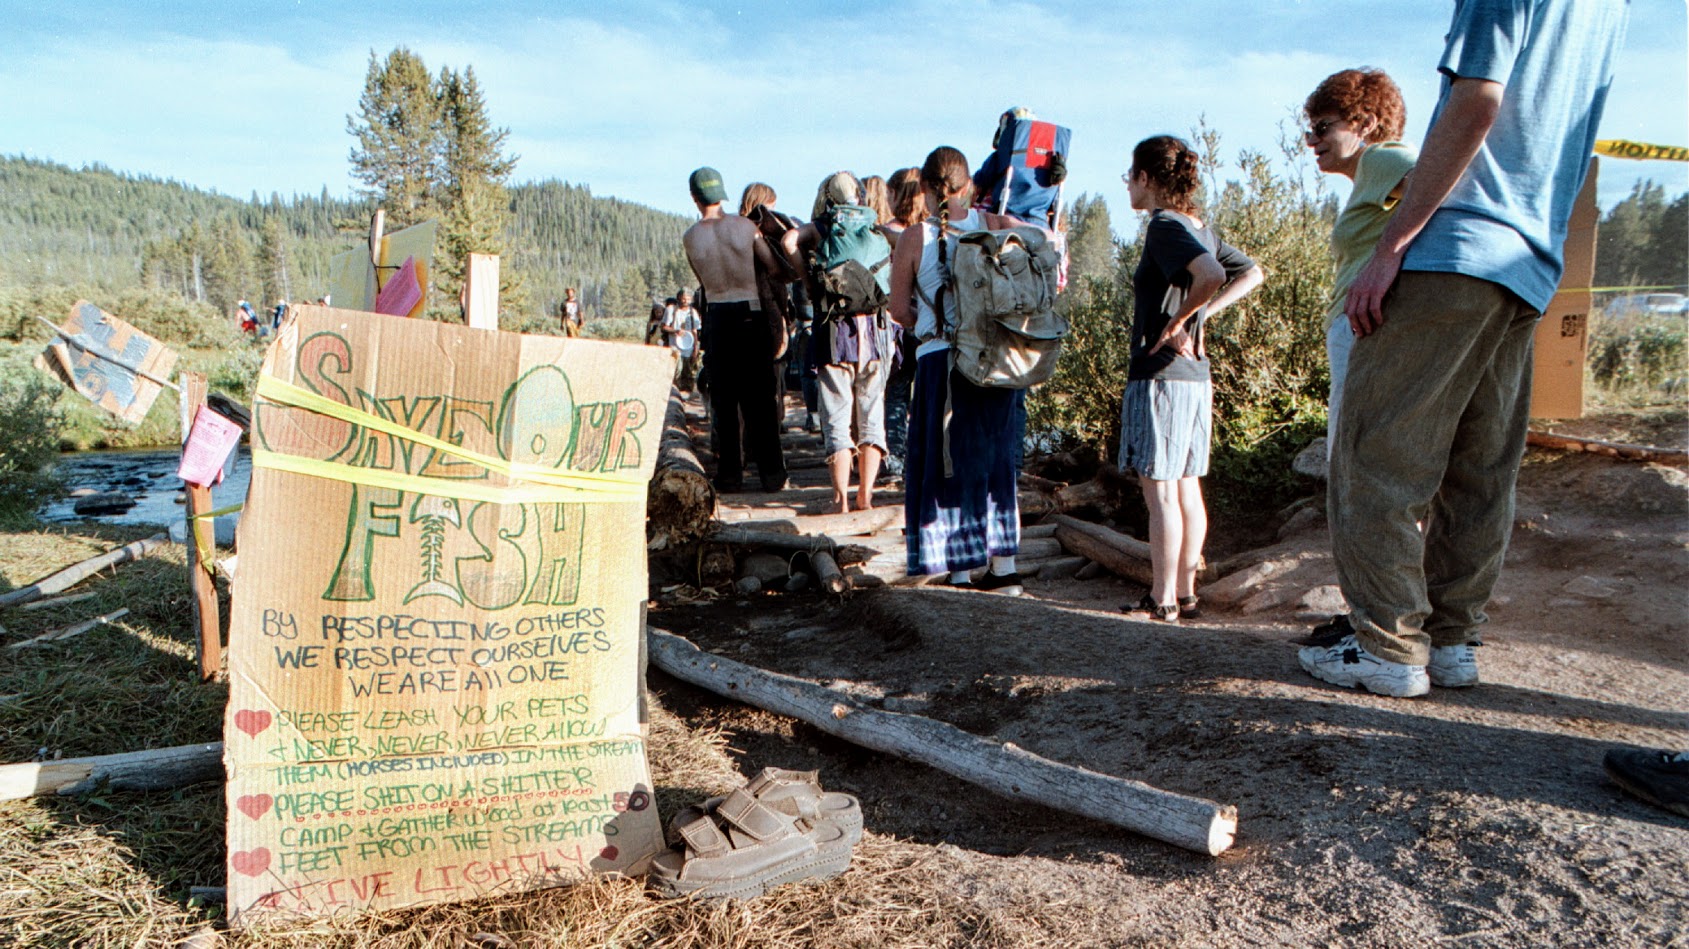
(630, 97)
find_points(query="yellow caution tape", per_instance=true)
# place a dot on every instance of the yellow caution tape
(1620, 148)
(535, 482)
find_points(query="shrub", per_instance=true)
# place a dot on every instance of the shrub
(1268, 352)
(1634, 354)
(29, 441)
(162, 314)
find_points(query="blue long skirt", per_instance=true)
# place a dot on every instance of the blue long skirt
(959, 522)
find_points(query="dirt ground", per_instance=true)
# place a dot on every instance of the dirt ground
(1473, 817)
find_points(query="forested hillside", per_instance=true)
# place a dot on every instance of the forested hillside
(60, 225)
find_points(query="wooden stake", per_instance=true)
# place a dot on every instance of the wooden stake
(73, 574)
(157, 769)
(1189, 822)
(202, 536)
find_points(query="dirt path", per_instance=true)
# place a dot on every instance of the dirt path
(1476, 817)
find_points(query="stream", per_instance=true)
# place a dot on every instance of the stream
(149, 477)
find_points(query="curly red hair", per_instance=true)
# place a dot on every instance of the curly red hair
(1356, 94)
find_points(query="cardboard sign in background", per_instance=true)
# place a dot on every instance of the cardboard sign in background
(98, 358)
(434, 695)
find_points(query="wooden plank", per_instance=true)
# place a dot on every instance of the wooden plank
(202, 539)
(76, 572)
(480, 291)
(157, 769)
(1190, 822)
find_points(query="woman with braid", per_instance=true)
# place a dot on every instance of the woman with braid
(969, 518)
(1187, 275)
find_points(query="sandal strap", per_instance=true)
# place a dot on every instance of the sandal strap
(703, 837)
(744, 812)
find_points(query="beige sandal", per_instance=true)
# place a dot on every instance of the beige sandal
(764, 834)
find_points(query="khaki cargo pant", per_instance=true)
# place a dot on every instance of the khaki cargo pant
(1432, 430)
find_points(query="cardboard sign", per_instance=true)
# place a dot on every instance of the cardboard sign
(354, 284)
(435, 645)
(108, 361)
(1562, 337)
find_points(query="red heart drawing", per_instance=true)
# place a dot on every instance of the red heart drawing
(252, 722)
(251, 862)
(254, 805)
(609, 853)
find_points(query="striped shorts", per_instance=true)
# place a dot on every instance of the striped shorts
(1166, 427)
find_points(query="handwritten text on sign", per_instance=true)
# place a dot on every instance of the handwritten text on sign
(434, 691)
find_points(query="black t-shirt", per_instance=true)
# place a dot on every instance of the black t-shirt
(1171, 242)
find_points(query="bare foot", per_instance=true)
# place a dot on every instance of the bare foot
(842, 502)
(864, 502)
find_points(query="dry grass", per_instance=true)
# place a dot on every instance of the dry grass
(115, 869)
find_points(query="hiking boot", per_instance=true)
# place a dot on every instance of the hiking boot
(1659, 777)
(1008, 584)
(1453, 667)
(1347, 663)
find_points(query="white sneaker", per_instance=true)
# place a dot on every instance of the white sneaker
(1347, 663)
(1453, 667)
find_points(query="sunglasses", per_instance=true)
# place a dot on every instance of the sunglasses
(1320, 128)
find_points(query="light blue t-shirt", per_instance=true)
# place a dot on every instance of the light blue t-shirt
(1506, 219)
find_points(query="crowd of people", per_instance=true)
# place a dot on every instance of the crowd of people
(1445, 260)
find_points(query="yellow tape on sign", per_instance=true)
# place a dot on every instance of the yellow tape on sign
(544, 484)
(1619, 148)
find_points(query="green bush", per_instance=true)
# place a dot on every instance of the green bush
(1268, 352)
(1633, 354)
(29, 442)
(162, 314)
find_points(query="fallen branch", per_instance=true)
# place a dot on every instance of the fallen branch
(158, 769)
(1004, 769)
(75, 573)
(1099, 551)
(58, 601)
(69, 631)
(1663, 456)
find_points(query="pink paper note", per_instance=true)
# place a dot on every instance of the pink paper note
(209, 443)
(402, 291)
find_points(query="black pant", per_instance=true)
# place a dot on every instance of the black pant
(741, 360)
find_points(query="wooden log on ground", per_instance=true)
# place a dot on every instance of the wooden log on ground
(1178, 819)
(1662, 456)
(1130, 546)
(1099, 551)
(827, 572)
(680, 504)
(1032, 531)
(740, 515)
(1039, 548)
(69, 631)
(158, 769)
(853, 524)
(71, 575)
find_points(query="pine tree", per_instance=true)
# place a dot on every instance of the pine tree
(398, 133)
(473, 172)
(273, 262)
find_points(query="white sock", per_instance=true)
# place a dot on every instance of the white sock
(961, 576)
(1003, 566)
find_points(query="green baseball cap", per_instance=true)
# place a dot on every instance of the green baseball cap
(706, 186)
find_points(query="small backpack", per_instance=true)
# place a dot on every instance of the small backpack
(850, 271)
(1007, 333)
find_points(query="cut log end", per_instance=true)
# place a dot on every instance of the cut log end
(1222, 831)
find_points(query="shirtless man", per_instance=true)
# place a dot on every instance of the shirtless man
(723, 251)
